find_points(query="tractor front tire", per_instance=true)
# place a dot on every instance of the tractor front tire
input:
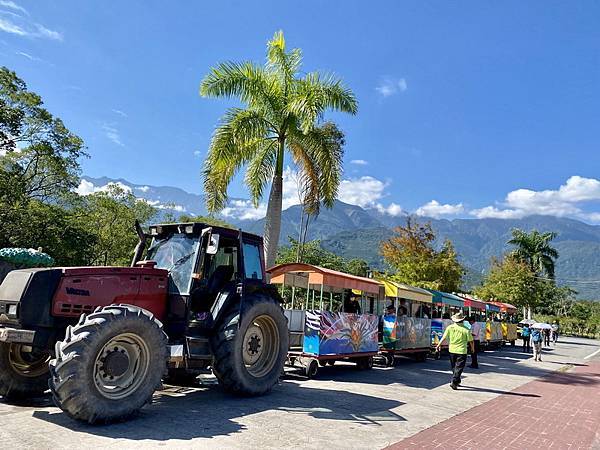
(109, 364)
(249, 352)
(23, 371)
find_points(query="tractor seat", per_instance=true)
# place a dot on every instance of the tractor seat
(218, 279)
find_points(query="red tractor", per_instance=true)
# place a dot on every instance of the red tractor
(104, 338)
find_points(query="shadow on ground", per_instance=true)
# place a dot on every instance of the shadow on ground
(189, 413)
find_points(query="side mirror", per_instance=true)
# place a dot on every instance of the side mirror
(213, 244)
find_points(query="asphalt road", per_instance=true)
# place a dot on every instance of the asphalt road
(342, 408)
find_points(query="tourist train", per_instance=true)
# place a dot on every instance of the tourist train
(335, 316)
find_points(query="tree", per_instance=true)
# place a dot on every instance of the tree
(509, 280)
(534, 249)
(415, 261)
(38, 154)
(282, 112)
(110, 215)
(38, 169)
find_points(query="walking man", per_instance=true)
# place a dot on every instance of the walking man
(475, 330)
(525, 335)
(459, 337)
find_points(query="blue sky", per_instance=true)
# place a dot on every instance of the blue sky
(471, 109)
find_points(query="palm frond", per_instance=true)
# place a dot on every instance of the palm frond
(286, 65)
(233, 144)
(250, 82)
(323, 146)
(260, 169)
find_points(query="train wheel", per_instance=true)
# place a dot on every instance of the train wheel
(311, 369)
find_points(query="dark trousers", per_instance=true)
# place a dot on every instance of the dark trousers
(547, 340)
(474, 354)
(526, 345)
(457, 362)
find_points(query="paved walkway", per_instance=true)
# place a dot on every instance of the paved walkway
(559, 411)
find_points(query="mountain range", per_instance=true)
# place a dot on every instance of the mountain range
(355, 232)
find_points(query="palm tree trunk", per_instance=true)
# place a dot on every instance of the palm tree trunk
(273, 219)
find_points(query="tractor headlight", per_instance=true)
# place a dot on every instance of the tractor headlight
(12, 310)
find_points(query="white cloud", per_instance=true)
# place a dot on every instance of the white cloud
(436, 210)
(119, 112)
(143, 188)
(112, 134)
(364, 191)
(391, 86)
(564, 201)
(44, 32)
(359, 162)
(393, 209)
(197, 153)
(8, 27)
(22, 25)
(12, 5)
(87, 187)
(245, 210)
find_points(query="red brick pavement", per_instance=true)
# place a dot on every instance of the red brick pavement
(559, 411)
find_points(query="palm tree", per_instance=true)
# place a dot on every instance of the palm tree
(534, 248)
(282, 112)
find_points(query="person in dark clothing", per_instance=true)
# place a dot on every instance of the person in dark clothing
(526, 336)
(547, 337)
(475, 330)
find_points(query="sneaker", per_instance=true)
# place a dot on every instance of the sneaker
(453, 386)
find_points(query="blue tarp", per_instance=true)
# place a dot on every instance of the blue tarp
(446, 299)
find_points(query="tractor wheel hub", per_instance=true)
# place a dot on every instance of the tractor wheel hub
(116, 363)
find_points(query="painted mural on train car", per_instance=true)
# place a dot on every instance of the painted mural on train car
(339, 333)
(401, 333)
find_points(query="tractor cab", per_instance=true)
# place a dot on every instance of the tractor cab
(203, 263)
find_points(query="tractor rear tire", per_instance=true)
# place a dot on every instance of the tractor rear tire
(109, 364)
(249, 353)
(23, 374)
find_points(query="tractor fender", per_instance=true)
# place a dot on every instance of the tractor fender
(231, 295)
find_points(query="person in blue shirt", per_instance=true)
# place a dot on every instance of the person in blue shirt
(526, 335)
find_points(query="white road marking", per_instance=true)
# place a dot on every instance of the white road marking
(592, 354)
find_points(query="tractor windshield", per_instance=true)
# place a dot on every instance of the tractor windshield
(177, 254)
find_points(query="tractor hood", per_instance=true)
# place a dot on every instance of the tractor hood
(41, 295)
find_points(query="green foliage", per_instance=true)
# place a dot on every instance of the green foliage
(26, 257)
(534, 249)
(38, 154)
(110, 216)
(38, 168)
(411, 254)
(315, 255)
(509, 280)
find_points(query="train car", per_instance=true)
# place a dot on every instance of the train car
(508, 315)
(493, 326)
(406, 321)
(332, 316)
(444, 306)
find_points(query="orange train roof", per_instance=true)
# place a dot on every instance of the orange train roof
(326, 277)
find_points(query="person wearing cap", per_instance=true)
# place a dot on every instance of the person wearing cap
(459, 338)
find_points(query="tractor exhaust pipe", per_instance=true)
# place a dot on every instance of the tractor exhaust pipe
(139, 248)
